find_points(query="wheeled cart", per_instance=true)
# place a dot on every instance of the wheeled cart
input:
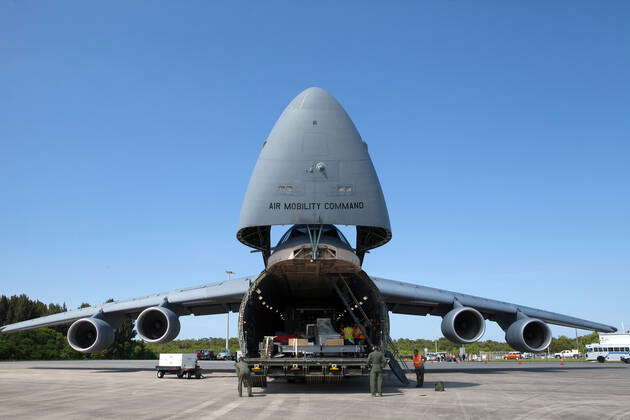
(182, 365)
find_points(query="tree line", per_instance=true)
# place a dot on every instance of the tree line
(51, 343)
(407, 346)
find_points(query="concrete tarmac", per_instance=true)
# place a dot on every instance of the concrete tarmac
(130, 389)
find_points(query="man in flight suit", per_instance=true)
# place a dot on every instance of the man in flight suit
(418, 366)
(244, 377)
(376, 361)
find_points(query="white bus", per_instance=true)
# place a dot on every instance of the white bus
(611, 347)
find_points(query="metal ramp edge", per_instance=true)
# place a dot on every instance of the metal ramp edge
(396, 369)
(391, 351)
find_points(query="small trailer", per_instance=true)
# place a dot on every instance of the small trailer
(180, 364)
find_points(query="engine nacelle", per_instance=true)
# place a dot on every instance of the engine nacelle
(529, 335)
(157, 325)
(463, 325)
(88, 335)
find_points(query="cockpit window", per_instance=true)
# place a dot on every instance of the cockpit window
(327, 231)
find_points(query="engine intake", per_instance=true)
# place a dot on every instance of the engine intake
(529, 335)
(158, 325)
(463, 325)
(88, 335)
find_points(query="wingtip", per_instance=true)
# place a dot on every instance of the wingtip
(607, 329)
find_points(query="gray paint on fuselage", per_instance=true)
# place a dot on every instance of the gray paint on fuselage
(314, 168)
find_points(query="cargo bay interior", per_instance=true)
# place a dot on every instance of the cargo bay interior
(289, 306)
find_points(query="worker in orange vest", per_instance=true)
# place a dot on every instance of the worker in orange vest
(418, 366)
(359, 337)
(348, 334)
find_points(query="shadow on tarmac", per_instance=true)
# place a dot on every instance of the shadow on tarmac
(228, 371)
(356, 385)
(430, 386)
(360, 385)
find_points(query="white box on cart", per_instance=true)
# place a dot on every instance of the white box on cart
(182, 360)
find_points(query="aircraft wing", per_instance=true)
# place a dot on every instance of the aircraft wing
(412, 299)
(213, 298)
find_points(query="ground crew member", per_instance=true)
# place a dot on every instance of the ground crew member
(418, 366)
(376, 361)
(244, 377)
(348, 335)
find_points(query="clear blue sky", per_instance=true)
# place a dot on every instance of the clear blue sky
(500, 131)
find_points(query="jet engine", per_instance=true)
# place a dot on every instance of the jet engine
(529, 335)
(88, 335)
(158, 325)
(463, 325)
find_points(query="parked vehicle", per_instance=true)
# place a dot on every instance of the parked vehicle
(432, 357)
(205, 354)
(224, 355)
(513, 355)
(180, 364)
(611, 348)
(566, 354)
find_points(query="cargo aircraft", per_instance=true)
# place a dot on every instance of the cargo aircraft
(314, 173)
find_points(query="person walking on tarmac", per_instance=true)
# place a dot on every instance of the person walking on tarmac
(376, 361)
(244, 377)
(418, 366)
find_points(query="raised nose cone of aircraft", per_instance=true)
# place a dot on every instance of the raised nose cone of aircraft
(315, 98)
(314, 168)
(315, 124)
